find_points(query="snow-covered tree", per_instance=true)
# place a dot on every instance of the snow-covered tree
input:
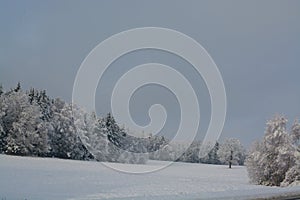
(101, 142)
(65, 142)
(44, 102)
(85, 124)
(292, 176)
(18, 87)
(255, 163)
(93, 133)
(1, 89)
(25, 133)
(3, 135)
(192, 153)
(269, 161)
(211, 154)
(32, 123)
(231, 152)
(106, 140)
(166, 152)
(121, 146)
(295, 133)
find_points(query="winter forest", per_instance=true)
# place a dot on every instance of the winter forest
(34, 124)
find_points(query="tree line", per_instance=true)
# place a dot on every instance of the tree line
(34, 124)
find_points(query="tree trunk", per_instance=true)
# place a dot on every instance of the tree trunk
(231, 158)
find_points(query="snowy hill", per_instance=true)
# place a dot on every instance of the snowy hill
(45, 178)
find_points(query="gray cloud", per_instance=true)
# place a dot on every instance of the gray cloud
(254, 43)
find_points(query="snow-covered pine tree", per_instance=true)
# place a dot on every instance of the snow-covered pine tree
(1, 89)
(113, 135)
(101, 142)
(212, 155)
(192, 153)
(18, 87)
(121, 147)
(44, 101)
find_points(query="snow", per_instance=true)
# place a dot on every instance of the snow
(49, 178)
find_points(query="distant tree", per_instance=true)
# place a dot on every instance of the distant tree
(211, 155)
(1, 89)
(44, 101)
(192, 153)
(165, 152)
(231, 152)
(18, 88)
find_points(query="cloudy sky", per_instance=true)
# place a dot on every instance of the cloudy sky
(255, 44)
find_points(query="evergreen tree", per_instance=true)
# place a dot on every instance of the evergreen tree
(100, 142)
(1, 90)
(18, 88)
(212, 155)
(192, 153)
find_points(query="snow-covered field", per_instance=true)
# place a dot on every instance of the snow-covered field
(45, 178)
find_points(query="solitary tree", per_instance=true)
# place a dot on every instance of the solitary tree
(231, 152)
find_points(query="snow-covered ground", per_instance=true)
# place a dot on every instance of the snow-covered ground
(45, 178)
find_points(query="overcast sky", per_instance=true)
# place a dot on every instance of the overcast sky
(255, 44)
